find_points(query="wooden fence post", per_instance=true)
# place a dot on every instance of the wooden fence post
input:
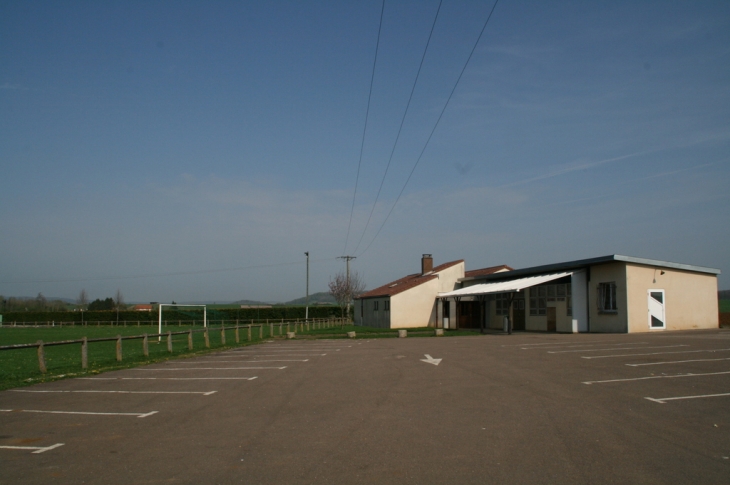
(41, 358)
(249, 333)
(223, 335)
(119, 348)
(236, 333)
(207, 339)
(169, 342)
(261, 331)
(190, 340)
(84, 353)
(271, 330)
(146, 346)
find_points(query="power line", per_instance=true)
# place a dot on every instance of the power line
(434, 127)
(364, 129)
(402, 121)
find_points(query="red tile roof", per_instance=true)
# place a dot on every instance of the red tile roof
(486, 271)
(408, 282)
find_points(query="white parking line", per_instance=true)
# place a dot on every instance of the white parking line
(304, 352)
(659, 377)
(664, 400)
(207, 368)
(315, 347)
(167, 378)
(556, 343)
(37, 449)
(138, 415)
(653, 353)
(204, 393)
(626, 348)
(677, 362)
(585, 345)
(287, 355)
(240, 360)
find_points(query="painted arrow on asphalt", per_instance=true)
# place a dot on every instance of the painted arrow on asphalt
(431, 360)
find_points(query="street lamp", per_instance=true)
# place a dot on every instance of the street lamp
(306, 308)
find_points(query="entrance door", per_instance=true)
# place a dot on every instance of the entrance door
(469, 314)
(552, 319)
(518, 314)
(656, 310)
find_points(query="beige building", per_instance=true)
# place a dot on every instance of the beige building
(411, 301)
(605, 294)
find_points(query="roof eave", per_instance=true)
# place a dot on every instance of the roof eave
(582, 263)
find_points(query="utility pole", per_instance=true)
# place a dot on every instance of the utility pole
(349, 286)
(306, 309)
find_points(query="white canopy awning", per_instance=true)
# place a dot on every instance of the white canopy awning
(504, 286)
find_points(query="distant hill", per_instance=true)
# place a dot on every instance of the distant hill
(314, 299)
(251, 302)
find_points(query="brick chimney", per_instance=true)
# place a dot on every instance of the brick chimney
(426, 263)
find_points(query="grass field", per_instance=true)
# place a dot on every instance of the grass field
(19, 367)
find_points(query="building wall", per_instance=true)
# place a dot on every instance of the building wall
(371, 317)
(690, 298)
(608, 322)
(448, 277)
(415, 307)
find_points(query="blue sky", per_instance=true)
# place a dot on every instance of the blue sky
(193, 151)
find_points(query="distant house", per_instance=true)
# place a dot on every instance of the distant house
(142, 308)
(411, 301)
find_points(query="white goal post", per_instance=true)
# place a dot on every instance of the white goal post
(205, 313)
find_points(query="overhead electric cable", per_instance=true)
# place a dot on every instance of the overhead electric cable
(364, 129)
(428, 140)
(402, 121)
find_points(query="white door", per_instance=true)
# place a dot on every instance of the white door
(656, 309)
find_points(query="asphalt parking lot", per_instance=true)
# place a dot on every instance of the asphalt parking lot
(525, 408)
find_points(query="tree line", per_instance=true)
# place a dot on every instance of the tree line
(39, 303)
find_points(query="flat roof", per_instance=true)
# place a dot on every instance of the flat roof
(582, 263)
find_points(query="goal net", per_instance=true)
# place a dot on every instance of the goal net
(178, 314)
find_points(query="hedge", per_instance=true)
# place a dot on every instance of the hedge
(230, 314)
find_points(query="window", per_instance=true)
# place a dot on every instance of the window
(375, 305)
(386, 305)
(538, 302)
(607, 298)
(502, 306)
(569, 305)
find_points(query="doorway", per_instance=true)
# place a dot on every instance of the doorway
(552, 319)
(656, 310)
(518, 314)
